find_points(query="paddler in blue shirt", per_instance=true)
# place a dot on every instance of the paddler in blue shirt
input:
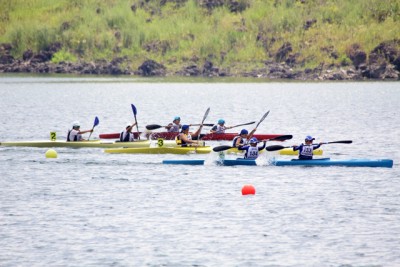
(185, 138)
(175, 126)
(306, 150)
(252, 149)
(219, 127)
(127, 135)
(243, 137)
(75, 134)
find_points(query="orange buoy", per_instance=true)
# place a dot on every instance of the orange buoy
(248, 189)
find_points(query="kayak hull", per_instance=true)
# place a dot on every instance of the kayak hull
(386, 163)
(171, 136)
(185, 162)
(237, 162)
(161, 150)
(82, 144)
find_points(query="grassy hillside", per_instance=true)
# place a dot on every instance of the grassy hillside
(177, 32)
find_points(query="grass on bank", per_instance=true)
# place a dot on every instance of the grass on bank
(176, 36)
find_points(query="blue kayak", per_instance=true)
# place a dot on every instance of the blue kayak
(184, 161)
(387, 163)
(235, 162)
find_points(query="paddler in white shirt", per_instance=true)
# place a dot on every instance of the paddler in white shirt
(175, 126)
(185, 138)
(75, 134)
(127, 135)
(220, 127)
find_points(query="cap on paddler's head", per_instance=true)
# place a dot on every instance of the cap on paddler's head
(253, 140)
(185, 127)
(128, 125)
(243, 131)
(177, 118)
(221, 121)
(76, 124)
(309, 138)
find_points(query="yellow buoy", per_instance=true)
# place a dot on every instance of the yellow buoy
(51, 154)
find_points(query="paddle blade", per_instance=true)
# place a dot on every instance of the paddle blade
(134, 109)
(282, 138)
(153, 126)
(96, 122)
(205, 115)
(263, 118)
(221, 148)
(275, 148)
(341, 142)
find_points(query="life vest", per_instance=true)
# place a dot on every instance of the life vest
(174, 128)
(77, 136)
(251, 153)
(243, 141)
(124, 136)
(180, 142)
(306, 151)
(218, 128)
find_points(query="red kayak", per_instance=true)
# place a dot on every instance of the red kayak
(209, 136)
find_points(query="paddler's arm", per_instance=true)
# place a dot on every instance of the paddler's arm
(86, 131)
(263, 146)
(130, 127)
(250, 135)
(317, 146)
(196, 133)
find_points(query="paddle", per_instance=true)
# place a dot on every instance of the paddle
(278, 147)
(242, 124)
(263, 118)
(205, 116)
(156, 126)
(278, 138)
(95, 123)
(134, 114)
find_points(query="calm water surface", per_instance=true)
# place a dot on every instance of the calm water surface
(88, 208)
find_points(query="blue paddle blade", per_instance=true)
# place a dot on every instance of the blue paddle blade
(96, 121)
(134, 109)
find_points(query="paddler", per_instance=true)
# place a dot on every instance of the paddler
(185, 138)
(127, 135)
(306, 150)
(75, 134)
(175, 126)
(243, 137)
(220, 127)
(252, 149)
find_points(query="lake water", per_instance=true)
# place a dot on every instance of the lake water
(89, 208)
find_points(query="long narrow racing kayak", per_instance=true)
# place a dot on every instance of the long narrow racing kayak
(184, 161)
(235, 162)
(161, 150)
(387, 163)
(209, 136)
(94, 143)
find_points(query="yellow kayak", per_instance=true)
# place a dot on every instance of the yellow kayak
(290, 152)
(92, 143)
(161, 150)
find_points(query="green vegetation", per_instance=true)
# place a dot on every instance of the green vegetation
(176, 32)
